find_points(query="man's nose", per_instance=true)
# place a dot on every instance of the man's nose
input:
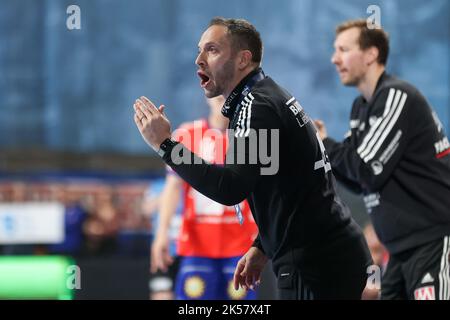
(199, 60)
(335, 58)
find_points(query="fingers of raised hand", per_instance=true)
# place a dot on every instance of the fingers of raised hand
(138, 121)
(148, 104)
(142, 110)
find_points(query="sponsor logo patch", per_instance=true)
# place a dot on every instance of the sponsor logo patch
(377, 167)
(427, 278)
(371, 200)
(442, 147)
(425, 293)
(301, 117)
(194, 287)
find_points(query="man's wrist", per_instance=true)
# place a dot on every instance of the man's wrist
(162, 235)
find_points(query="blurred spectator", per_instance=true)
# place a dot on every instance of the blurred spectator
(19, 192)
(74, 218)
(99, 216)
(134, 228)
(102, 224)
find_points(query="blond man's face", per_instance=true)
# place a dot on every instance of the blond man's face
(350, 61)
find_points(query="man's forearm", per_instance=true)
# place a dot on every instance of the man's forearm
(228, 185)
(257, 243)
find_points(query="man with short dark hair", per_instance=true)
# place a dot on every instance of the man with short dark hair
(318, 251)
(397, 155)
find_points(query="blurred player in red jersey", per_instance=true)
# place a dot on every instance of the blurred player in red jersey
(211, 238)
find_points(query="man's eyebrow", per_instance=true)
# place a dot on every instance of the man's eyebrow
(209, 43)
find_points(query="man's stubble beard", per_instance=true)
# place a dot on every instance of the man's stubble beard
(352, 82)
(222, 79)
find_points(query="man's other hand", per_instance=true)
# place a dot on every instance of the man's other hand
(249, 269)
(320, 125)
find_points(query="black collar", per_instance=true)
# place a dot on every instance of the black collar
(381, 79)
(240, 91)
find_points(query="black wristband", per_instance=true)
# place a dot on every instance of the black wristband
(166, 147)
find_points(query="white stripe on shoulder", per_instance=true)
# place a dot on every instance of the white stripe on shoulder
(384, 121)
(290, 100)
(243, 123)
(249, 116)
(386, 132)
(238, 124)
(375, 126)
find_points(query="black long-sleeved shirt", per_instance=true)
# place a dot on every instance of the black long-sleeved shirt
(291, 192)
(397, 155)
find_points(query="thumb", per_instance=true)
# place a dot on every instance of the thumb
(161, 109)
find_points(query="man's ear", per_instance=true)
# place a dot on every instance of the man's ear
(372, 54)
(244, 59)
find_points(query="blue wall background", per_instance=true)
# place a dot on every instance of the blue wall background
(73, 90)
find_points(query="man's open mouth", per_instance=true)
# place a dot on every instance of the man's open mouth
(204, 79)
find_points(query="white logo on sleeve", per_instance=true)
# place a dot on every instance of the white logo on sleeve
(427, 278)
(300, 115)
(377, 167)
(324, 162)
(442, 145)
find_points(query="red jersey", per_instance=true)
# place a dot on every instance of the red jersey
(210, 229)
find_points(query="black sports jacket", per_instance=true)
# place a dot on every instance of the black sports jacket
(292, 196)
(397, 154)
